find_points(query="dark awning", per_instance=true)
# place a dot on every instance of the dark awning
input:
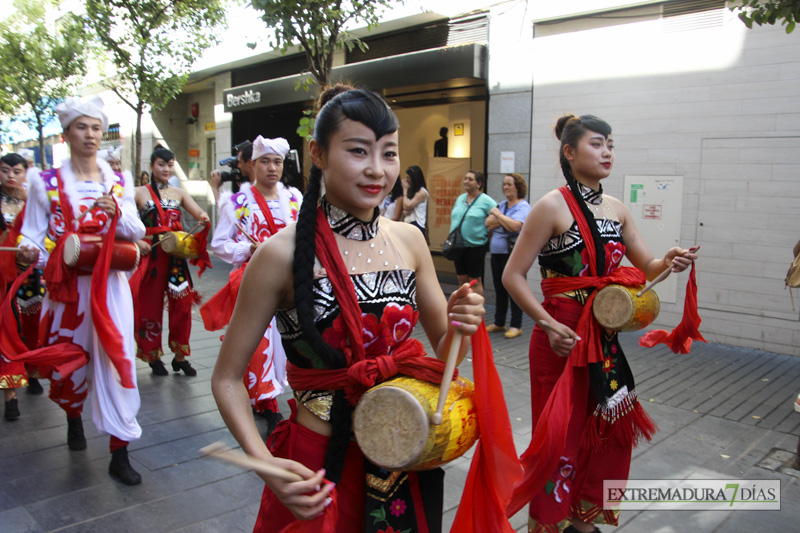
(468, 64)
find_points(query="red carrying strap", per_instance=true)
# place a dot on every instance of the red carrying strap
(262, 204)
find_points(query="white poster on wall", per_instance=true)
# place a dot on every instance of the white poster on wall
(656, 204)
(507, 162)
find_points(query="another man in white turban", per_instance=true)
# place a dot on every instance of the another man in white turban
(246, 219)
(85, 196)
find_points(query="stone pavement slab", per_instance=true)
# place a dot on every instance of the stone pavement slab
(721, 411)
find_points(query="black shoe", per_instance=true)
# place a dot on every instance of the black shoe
(12, 409)
(272, 422)
(75, 438)
(158, 368)
(184, 365)
(573, 529)
(120, 468)
(34, 387)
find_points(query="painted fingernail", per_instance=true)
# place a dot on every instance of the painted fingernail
(473, 282)
(328, 501)
(455, 323)
(578, 338)
(317, 488)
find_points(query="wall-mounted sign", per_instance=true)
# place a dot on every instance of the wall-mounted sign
(458, 129)
(245, 98)
(211, 126)
(507, 161)
(194, 153)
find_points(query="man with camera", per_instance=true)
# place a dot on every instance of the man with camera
(240, 170)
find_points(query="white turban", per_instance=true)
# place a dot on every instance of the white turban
(112, 154)
(73, 107)
(27, 154)
(262, 147)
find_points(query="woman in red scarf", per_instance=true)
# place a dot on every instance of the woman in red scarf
(159, 206)
(586, 416)
(347, 288)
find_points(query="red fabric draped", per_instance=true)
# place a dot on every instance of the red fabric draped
(62, 282)
(204, 261)
(680, 339)
(328, 254)
(65, 358)
(8, 261)
(262, 204)
(107, 331)
(326, 523)
(495, 467)
(217, 311)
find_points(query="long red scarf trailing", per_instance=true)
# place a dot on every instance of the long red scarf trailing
(64, 358)
(8, 262)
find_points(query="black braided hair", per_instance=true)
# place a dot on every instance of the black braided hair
(335, 105)
(569, 130)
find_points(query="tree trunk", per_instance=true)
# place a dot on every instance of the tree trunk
(137, 146)
(40, 129)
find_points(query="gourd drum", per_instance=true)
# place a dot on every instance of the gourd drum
(82, 250)
(392, 424)
(180, 244)
(618, 308)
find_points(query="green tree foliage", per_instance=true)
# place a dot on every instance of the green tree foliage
(42, 63)
(153, 45)
(770, 12)
(318, 26)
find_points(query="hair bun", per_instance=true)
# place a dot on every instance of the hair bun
(331, 92)
(561, 123)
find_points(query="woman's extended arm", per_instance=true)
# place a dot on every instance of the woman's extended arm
(540, 225)
(264, 287)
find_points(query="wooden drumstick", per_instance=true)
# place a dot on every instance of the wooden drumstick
(9, 249)
(219, 451)
(447, 376)
(252, 239)
(661, 277)
(545, 325)
(191, 231)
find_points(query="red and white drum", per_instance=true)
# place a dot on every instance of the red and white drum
(81, 251)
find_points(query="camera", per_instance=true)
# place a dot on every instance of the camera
(234, 175)
(293, 171)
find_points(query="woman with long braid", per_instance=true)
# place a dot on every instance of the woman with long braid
(585, 411)
(347, 287)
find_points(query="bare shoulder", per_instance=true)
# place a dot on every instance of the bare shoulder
(271, 264)
(619, 208)
(408, 238)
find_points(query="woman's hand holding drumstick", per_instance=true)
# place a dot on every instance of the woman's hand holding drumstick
(690, 255)
(306, 498)
(452, 355)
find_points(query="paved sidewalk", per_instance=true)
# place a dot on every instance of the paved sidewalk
(724, 412)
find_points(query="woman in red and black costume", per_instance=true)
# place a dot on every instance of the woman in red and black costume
(347, 288)
(585, 410)
(159, 207)
(28, 301)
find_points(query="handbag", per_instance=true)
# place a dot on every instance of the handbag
(453, 247)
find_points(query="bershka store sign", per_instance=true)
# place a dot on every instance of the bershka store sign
(234, 102)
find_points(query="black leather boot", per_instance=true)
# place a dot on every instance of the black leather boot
(158, 368)
(120, 468)
(184, 365)
(12, 409)
(34, 387)
(75, 438)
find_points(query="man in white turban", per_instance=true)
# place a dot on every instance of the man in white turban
(29, 156)
(85, 197)
(246, 219)
(113, 157)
